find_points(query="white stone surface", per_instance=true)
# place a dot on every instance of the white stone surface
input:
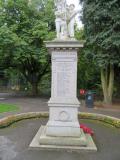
(65, 19)
(63, 120)
(51, 143)
(63, 44)
(63, 141)
(64, 74)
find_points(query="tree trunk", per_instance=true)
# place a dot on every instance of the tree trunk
(34, 89)
(111, 83)
(107, 79)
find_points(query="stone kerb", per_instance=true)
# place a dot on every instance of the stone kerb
(9, 120)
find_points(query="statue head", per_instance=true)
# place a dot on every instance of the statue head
(71, 7)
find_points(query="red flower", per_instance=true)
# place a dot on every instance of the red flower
(86, 129)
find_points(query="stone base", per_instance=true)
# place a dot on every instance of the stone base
(61, 141)
(41, 141)
(63, 131)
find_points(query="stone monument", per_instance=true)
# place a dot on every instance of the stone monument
(63, 129)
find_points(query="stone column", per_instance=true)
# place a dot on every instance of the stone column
(63, 127)
(63, 104)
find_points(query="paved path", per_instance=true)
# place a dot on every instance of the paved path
(15, 140)
(40, 104)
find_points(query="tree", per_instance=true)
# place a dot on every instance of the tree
(23, 30)
(102, 25)
(88, 72)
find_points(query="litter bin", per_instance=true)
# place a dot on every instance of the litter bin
(89, 99)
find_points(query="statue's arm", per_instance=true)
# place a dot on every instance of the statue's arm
(74, 15)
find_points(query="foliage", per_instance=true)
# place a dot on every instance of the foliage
(102, 25)
(23, 30)
(88, 72)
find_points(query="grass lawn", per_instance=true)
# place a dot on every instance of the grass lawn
(7, 108)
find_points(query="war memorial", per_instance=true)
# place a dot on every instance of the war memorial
(62, 130)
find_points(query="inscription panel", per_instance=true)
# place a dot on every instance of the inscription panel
(65, 78)
(64, 74)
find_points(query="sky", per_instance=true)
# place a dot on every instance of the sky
(78, 6)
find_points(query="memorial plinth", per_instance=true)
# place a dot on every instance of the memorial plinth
(63, 104)
(63, 128)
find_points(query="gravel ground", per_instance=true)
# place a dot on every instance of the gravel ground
(15, 140)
